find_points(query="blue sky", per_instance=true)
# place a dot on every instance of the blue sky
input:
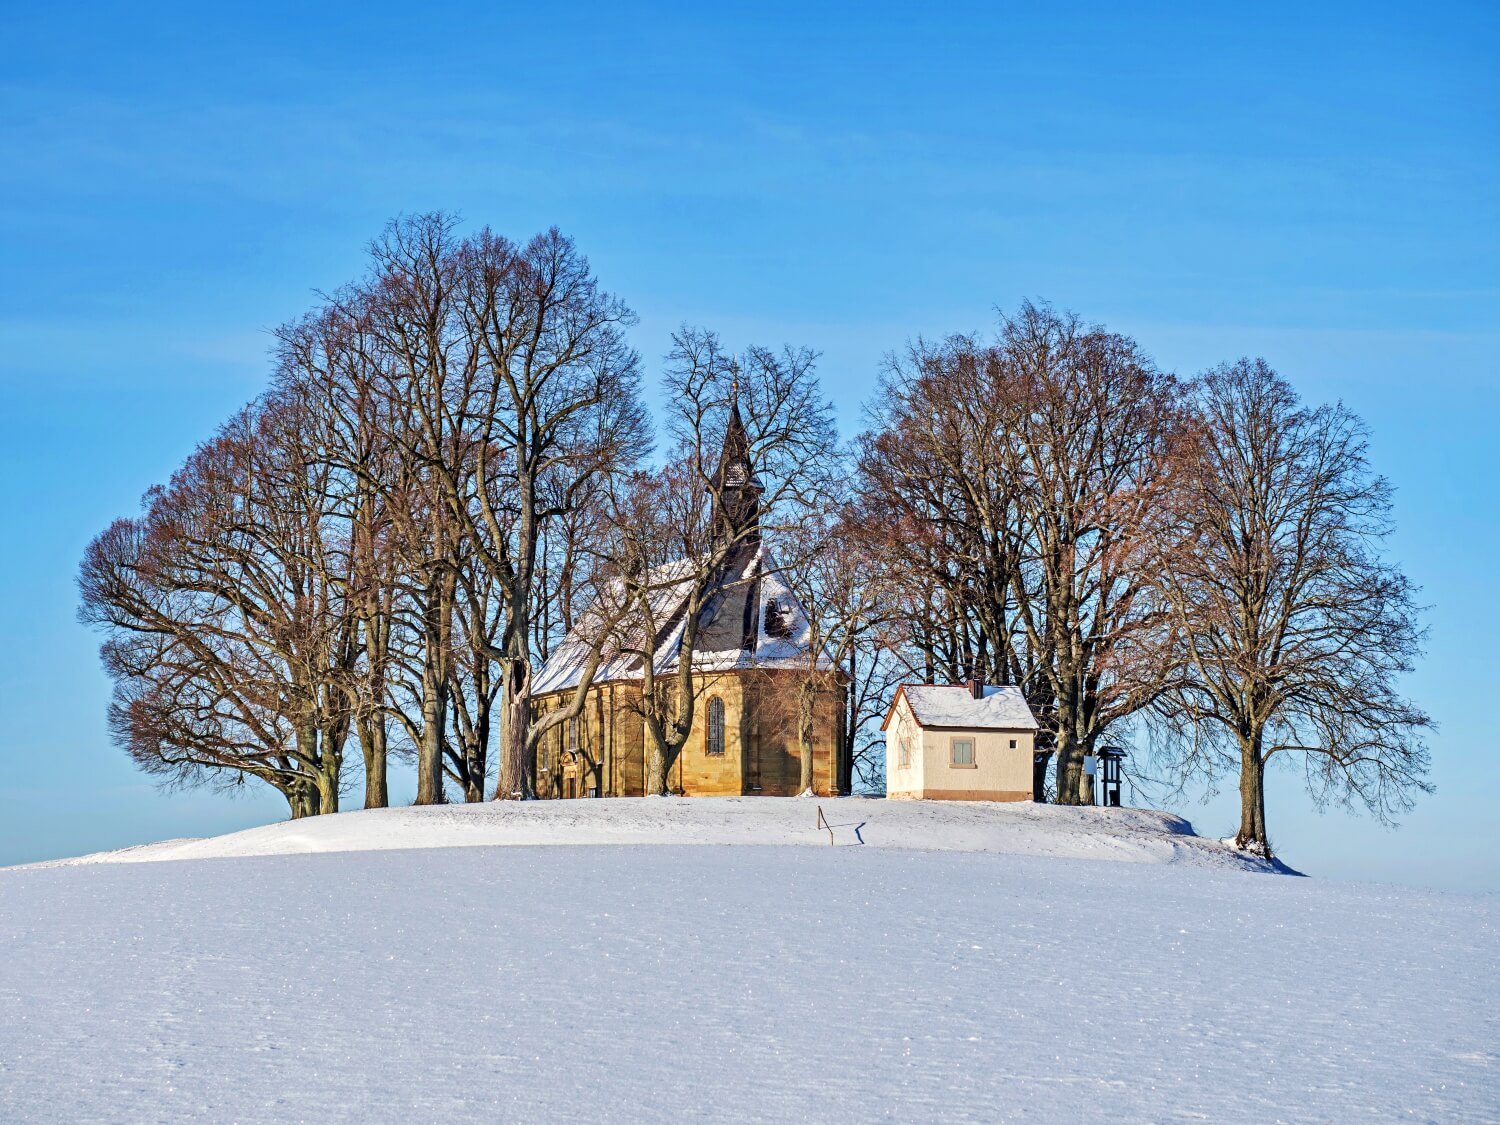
(1316, 185)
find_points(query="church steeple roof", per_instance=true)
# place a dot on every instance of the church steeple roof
(737, 488)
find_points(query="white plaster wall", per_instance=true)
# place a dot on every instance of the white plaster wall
(998, 768)
(903, 782)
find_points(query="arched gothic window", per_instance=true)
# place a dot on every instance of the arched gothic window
(572, 734)
(716, 727)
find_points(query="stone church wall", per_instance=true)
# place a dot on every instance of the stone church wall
(606, 755)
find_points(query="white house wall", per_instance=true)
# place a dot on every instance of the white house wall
(999, 772)
(901, 782)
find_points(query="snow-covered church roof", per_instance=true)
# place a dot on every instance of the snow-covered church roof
(751, 620)
(1001, 707)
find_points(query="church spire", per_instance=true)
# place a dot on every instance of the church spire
(737, 488)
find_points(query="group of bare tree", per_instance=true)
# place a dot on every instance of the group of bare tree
(369, 550)
(1197, 563)
(453, 460)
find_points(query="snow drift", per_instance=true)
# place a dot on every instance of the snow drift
(1132, 835)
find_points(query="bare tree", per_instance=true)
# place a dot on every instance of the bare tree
(551, 404)
(462, 402)
(753, 447)
(839, 583)
(1293, 629)
(1011, 491)
(940, 505)
(228, 632)
(1094, 458)
(325, 360)
(479, 614)
(418, 363)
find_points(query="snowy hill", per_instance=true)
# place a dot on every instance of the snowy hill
(926, 975)
(1132, 835)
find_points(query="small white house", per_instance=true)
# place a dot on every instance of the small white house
(959, 742)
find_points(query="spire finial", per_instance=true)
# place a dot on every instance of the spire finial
(734, 380)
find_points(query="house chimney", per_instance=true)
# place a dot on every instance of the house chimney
(976, 688)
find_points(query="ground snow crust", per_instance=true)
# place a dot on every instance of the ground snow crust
(798, 983)
(1133, 835)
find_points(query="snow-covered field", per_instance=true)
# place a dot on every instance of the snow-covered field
(811, 983)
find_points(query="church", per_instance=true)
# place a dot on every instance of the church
(754, 654)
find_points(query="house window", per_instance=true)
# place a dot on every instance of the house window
(716, 727)
(963, 752)
(904, 761)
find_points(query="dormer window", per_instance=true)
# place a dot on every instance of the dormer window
(779, 617)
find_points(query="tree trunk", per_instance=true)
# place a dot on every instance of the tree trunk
(430, 749)
(656, 765)
(1069, 769)
(517, 758)
(372, 744)
(662, 752)
(668, 721)
(319, 788)
(846, 740)
(1252, 834)
(302, 800)
(806, 701)
(328, 791)
(476, 752)
(374, 739)
(437, 628)
(474, 771)
(1070, 749)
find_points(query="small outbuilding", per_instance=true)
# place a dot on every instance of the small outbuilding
(959, 742)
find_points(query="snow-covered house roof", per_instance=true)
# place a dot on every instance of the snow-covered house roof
(751, 620)
(953, 706)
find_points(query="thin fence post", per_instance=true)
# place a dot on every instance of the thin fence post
(823, 823)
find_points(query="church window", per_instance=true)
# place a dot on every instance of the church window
(572, 734)
(905, 759)
(716, 727)
(963, 752)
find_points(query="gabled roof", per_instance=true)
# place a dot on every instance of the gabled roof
(751, 619)
(953, 707)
